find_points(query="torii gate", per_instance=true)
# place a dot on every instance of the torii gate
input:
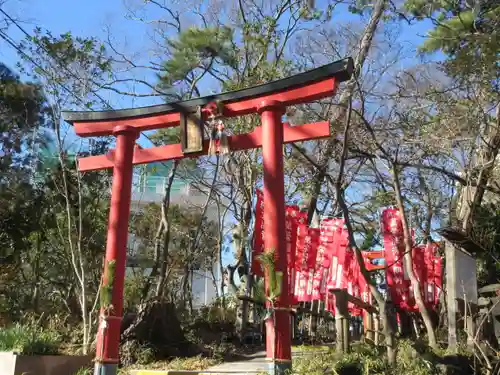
(270, 101)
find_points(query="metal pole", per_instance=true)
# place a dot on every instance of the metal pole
(278, 340)
(108, 334)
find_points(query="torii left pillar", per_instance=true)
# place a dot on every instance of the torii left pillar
(108, 335)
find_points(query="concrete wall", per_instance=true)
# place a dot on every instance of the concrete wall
(12, 364)
(7, 363)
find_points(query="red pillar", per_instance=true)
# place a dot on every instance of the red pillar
(278, 335)
(108, 335)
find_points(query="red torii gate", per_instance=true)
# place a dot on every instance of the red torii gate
(270, 101)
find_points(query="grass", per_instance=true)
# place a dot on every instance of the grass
(365, 360)
(311, 348)
(29, 340)
(190, 364)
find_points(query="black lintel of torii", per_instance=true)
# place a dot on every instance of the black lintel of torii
(342, 70)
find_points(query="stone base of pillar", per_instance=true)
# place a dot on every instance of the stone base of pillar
(105, 368)
(279, 367)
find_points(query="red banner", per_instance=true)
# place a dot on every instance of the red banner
(351, 280)
(327, 230)
(307, 263)
(426, 265)
(300, 278)
(397, 284)
(258, 234)
(364, 288)
(339, 247)
(427, 268)
(325, 251)
(438, 279)
(293, 218)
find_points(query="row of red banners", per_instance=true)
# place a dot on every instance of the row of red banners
(319, 259)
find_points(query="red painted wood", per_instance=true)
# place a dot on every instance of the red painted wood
(274, 219)
(239, 142)
(108, 335)
(315, 91)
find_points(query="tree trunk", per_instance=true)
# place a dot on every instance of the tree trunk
(408, 264)
(471, 198)
(388, 329)
(164, 240)
(185, 287)
(382, 303)
(239, 248)
(190, 286)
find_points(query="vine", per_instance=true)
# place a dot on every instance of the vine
(107, 287)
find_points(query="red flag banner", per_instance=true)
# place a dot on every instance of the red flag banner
(340, 241)
(427, 268)
(320, 270)
(305, 261)
(438, 278)
(330, 303)
(300, 290)
(328, 229)
(294, 217)
(300, 278)
(350, 280)
(311, 247)
(258, 234)
(429, 287)
(364, 288)
(397, 283)
(323, 258)
(299, 247)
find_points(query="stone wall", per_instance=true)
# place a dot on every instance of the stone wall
(13, 364)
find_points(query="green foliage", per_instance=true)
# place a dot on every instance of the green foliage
(196, 363)
(134, 283)
(22, 129)
(29, 339)
(370, 239)
(24, 115)
(198, 48)
(468, 34)
(184, 222)
(215, 313)
(368, 360)
(107, 288)
(84, 371)
(486, 233)
(267, 259)
(77, 63)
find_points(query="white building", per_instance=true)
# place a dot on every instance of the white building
(149, 187)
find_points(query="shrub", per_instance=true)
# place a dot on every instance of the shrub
(84, 371)
(29, 339)
(365, 360)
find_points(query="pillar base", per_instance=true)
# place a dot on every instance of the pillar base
(279, 367)
(105, 368)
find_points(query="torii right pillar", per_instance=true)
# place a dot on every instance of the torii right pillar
(278, 332)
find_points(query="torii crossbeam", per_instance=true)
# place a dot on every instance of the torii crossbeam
(270, 101)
